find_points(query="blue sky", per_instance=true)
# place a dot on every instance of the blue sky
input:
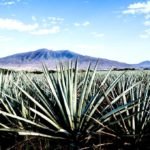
(112, 29)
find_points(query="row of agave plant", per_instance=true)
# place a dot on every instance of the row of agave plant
(70, 110)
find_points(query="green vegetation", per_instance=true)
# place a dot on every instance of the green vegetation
(72, 110)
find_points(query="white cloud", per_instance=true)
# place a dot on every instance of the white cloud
(53, 30)
(34, 18)
(97, 35)
(146, 34)
(84, 24)
(9, 2)
(147, 16)
(76, 24)
(49, 21)
(5, 39)
(147, 23)
(54, 20)
(142, 8)
(35, 28)
(12, 24)
(44, 20)
(138, 8)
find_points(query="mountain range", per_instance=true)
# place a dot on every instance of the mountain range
(33, 60)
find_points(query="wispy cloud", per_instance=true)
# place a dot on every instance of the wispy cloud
(54, 20)
(138, 8)
(145, 34)
(12, 24)
(34, 18)
(35, 28)
(83, 24)
(147, 16)
(47, 22)
(86, 23)
(147, 23)
(142, 8)
(53, 30)
(97, 35)
(9, 2)
(76, 24)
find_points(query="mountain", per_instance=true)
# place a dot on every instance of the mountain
(33, 60)
(144, 64)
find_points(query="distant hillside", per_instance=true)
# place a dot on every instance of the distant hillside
(32, 60)
(144, 64)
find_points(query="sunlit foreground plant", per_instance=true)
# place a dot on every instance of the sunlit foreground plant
(72, 111)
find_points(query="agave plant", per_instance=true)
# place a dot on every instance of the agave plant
(132, 125)
(67, 109)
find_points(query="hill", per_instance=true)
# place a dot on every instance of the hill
(32, 60)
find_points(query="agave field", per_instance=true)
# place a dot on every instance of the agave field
(71, 110)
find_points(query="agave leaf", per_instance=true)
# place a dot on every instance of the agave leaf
(34, 101)
(45, 118)
(122, 95)
(92, 111)
(43, 99)
(74, 93)
(66, 107)
(29, 133)
(82, 97)
(22, 119)
(52, 87)
(91, 81)
(117, 110)
(4, 126)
